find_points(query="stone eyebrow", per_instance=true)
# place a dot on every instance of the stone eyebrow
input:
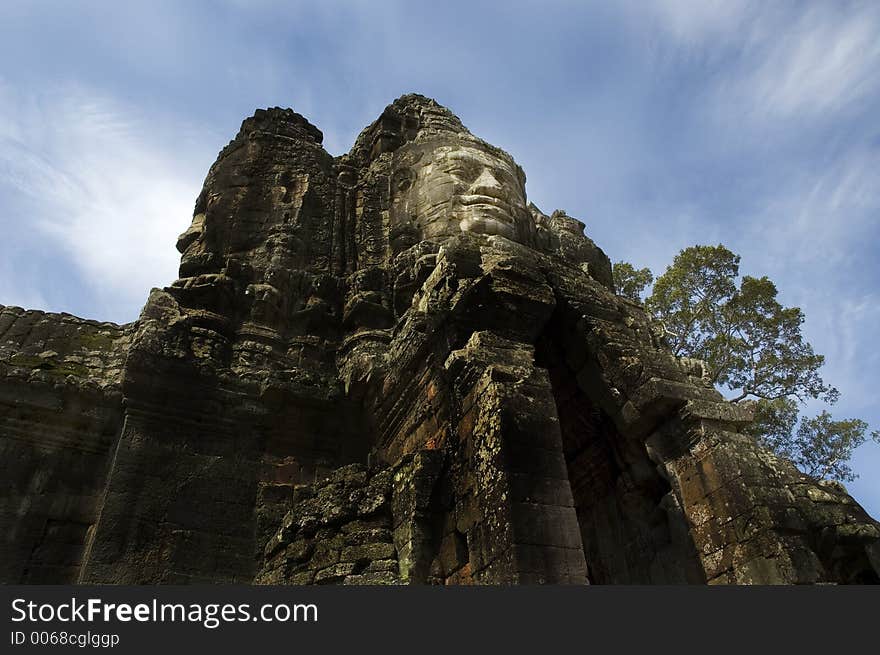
(457, 154)
(461, 156)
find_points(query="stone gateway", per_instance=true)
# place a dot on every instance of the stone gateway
(389, 367)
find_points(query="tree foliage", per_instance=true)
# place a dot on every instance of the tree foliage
(753, 346)
(820, 446)
(630, 281)
(751, 343)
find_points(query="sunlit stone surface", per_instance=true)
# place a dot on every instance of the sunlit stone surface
(447, 186)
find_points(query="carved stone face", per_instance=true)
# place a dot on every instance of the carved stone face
(191, 244)
(448, 186)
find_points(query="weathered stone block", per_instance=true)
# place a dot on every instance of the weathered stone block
(368, 552)
(334, 574)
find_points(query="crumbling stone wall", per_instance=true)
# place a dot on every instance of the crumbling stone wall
(60, 411)
(360, 526)
(338, 531)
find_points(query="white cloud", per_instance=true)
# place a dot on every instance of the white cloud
(819, 218)
(695, 23)
(773, 61)
(104, 188)
(845, 335)
(821, 61)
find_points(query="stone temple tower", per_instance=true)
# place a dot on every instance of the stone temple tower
(390, 367)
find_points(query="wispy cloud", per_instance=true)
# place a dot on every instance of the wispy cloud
(852, 360)
(814, 64)
(817, 237)
(696, 23)
(773, 61)
(102, 187)
(821, 214)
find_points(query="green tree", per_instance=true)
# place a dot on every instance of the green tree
(753, 346)
(629, 281)
(821, 446)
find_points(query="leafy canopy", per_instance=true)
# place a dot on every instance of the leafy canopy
(752, 345)
(750, 342)
(820, 446)
(629, 281)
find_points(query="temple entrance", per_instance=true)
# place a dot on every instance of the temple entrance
(632, 530)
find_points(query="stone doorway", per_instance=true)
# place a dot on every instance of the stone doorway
(632, 528)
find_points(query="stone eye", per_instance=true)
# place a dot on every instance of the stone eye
(459, 170)
(402, 182)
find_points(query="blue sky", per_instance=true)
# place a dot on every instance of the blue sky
(659, 124)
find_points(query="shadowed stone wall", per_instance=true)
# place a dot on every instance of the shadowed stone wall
(60, 415)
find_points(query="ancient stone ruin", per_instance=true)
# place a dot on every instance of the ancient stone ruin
(388, 367)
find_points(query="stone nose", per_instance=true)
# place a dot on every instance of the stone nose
(486, 184)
